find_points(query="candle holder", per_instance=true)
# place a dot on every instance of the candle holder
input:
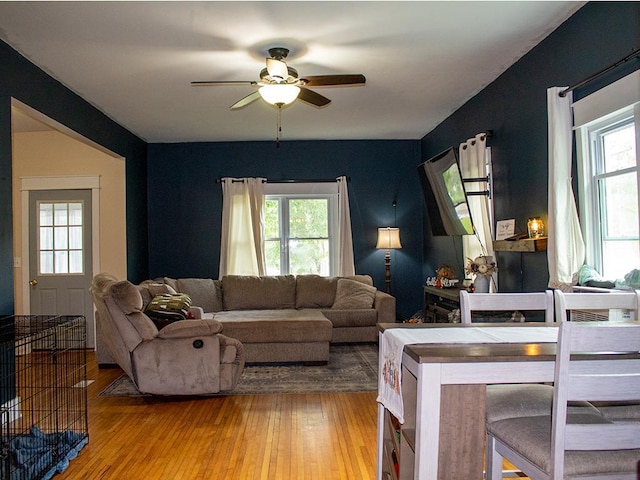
(535, 227)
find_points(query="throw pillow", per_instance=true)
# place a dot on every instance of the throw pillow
(366, 279)
(351, 294)
(314, 291)
(167, 308)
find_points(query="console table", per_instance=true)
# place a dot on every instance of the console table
(443, 393)
(439, 303)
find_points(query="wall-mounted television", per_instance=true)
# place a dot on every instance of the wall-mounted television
(444, 195)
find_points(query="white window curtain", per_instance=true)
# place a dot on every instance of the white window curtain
(473, 164)
(241, 240)
(346, 265)
(565, 246)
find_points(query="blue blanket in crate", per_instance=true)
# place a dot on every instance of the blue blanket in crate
(42, 455)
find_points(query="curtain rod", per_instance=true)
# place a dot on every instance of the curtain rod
(314, 180)
(633, 54)
(487, 134)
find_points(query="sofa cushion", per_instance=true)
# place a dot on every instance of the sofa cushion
(204, 292)
(245, 292)
(366, 279)
(314, 291)
(276, 326)
(365, 317)
(353, 294)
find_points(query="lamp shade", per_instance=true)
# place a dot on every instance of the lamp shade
(279, 93)
(388, 237)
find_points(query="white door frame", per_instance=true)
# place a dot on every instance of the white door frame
(81, 182)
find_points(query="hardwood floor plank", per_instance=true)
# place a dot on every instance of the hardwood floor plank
(270, 437)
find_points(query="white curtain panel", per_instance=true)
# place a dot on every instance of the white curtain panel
(473, 164)
(565, 249)
(347, 264)
(241, 240)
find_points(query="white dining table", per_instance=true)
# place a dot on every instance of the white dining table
(448, 367)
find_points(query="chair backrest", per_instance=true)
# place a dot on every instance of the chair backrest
(119, 318)
(533, 301)
(611, 377)
(601, 303)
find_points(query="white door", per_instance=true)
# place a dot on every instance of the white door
(60, 254)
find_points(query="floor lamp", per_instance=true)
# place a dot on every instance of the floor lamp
(388, 238)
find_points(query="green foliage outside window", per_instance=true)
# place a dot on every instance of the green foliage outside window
(305, 236)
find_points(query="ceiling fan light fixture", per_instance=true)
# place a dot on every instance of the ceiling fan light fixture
(279, 94)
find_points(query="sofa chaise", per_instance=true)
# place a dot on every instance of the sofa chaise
(285, 318)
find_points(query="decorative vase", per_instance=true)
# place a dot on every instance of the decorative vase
(481, 283)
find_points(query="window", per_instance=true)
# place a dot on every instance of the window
(609, 192)
(300, 226)
(60, 238)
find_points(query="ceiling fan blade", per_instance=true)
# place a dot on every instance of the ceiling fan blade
(328, 80)
(252, 97)
(277, 68)
(223, 82)
(313, 98)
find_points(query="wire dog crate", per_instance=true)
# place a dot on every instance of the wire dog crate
(43, 394)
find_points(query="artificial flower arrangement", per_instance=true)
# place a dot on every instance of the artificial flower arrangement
(482, 265)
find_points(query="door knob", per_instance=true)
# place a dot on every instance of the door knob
(33, 282)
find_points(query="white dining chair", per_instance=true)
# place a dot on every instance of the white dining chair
(513, 400)
(505, 302)
(565, 445)
(601, 303)
(507, 400)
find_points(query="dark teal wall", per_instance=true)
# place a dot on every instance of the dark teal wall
(185, 202)
(181, 235)
(514, 108)
(27, 83)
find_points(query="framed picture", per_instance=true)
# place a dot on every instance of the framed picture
(505, 228)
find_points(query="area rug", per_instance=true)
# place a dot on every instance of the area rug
(351, 368)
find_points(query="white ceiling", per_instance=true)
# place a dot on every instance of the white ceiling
(134, 60)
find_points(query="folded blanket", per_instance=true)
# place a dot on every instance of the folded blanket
(42, 455)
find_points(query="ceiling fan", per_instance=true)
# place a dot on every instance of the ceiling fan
(280, 84)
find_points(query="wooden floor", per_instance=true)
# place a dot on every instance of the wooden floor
(243, 437)
(310, 436)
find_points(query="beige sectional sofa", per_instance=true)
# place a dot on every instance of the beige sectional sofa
(288, 318)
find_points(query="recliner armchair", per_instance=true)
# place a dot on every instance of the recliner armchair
(187, 357)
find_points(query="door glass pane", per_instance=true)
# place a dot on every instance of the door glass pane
(61, 238)
(60, 216)
(75, 238)
(75, 261)
(61, 245)
(46, 214)
(46, 262)
(75, 214)
(61, 259)
(46, 238)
